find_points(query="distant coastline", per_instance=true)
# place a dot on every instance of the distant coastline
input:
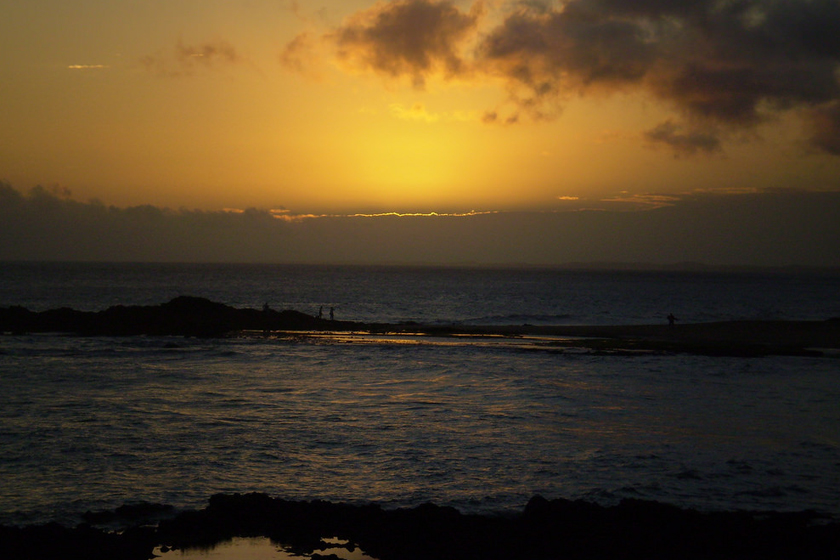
(582, 266)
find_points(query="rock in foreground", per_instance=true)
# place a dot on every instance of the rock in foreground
(559, 529)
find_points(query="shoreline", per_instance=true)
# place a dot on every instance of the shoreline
(724, 338)
(544, 529)
(199, 317)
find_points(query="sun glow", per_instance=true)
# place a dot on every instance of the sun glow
(405, 106)
(412, 166)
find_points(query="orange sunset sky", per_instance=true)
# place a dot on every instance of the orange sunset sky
(329, 110)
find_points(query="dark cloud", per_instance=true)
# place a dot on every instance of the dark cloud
(771, 228)
(683, 143)
(185, 60)
(824, 122)
(716, 63)
(558, 51)
(652, 8)
(44, 224)
(407, 38)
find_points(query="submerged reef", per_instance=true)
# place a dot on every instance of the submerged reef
(545, 529)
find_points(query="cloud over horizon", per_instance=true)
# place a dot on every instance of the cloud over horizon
(775, 228)
(719, 66)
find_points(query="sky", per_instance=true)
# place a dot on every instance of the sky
(495, 131)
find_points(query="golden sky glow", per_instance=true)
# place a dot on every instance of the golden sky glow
(421, 131)
(416, 106)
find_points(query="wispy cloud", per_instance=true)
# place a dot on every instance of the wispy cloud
(207, 53)
(624, 202)
(418, 112)
(301, 55)
(684, 142)
(286, 215)
(647, 201)
(186, 60)
(424, 214)
(87, 67)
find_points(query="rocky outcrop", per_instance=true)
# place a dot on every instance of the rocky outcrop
(193, 316)
(545, 529)
(184, 315)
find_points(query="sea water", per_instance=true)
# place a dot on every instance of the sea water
(91, 423)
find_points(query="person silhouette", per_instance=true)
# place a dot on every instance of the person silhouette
(266, 311)
(671, 319)
(332, 313)
(321, 312)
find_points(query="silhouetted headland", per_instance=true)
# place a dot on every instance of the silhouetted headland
(184, 315)
(545, 529)
(193, 316)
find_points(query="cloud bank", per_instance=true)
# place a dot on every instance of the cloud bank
(766, 229)
(721, 65)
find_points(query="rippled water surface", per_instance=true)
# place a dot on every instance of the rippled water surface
(393, 294)
(92, 423)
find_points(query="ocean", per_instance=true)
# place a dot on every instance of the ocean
(91, 423)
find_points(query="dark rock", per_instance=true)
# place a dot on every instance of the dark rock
(52, 541)
(192, 316)
(184, 315)
(546, 529)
